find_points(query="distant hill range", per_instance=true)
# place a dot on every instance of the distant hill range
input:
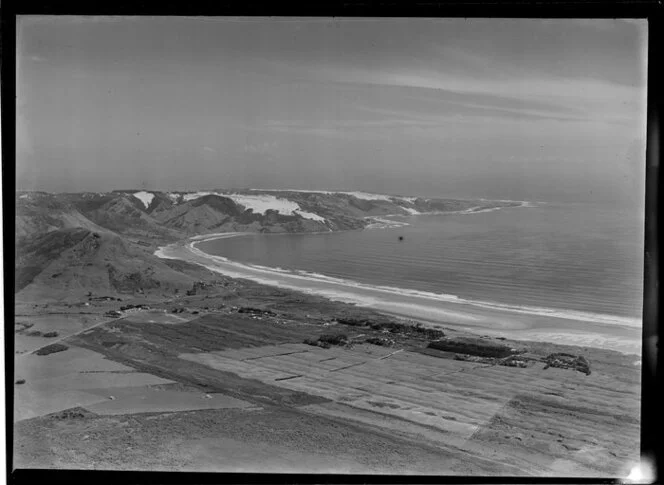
(104, 242)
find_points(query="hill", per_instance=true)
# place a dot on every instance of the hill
(71, 263)
(74, 243)
(38, 213)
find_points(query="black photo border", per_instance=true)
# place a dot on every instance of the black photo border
(651, 401)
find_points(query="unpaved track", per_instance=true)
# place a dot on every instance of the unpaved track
(65, 337)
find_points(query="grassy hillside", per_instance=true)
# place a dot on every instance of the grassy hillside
(70, 263)
(71, 244)
(38, 213)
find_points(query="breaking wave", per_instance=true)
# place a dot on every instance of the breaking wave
(368, 294)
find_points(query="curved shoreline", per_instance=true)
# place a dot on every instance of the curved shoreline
(522, 323)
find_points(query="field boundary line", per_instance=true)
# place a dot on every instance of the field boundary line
(74, 334)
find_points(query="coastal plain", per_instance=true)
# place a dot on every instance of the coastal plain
(148, 392)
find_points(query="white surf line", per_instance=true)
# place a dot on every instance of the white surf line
(442, 310)
(343, 289)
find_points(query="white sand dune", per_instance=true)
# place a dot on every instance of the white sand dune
(145, 197)
(261, 203)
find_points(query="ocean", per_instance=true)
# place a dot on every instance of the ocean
(565, 272)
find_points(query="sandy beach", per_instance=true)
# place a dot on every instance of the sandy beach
(570, 328)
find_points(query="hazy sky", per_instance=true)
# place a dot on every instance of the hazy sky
(523, 109)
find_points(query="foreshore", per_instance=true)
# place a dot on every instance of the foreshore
(567, 328)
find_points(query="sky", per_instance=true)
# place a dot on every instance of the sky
(498, 108)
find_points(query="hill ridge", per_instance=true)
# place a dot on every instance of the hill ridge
(94, 241)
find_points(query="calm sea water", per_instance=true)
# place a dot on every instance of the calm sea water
(578, 257)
